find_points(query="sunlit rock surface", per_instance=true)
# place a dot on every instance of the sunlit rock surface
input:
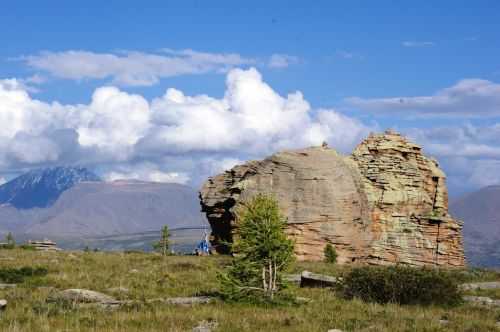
(385, 204)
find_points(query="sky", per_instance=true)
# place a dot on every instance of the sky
(178, 91)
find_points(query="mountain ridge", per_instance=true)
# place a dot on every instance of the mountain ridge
(480, 213)
(78, 204)
(42, 187)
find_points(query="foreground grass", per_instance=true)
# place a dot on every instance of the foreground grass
(149, 276)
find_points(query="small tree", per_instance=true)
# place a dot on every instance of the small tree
(164, 244)
(262, 252)
(330, 254)
(10, 242)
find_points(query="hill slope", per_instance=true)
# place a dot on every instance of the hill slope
(121, 207)
(480, 212)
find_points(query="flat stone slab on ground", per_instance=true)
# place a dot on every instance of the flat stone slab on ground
(480, 285)
(118, 290)
(206, 326)
(482, 300)
(310, 279)
(81, 296)
(188, 300)
(4, 286)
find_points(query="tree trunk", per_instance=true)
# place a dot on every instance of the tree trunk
(264, 283)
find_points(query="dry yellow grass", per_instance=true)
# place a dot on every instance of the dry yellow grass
(151, 276)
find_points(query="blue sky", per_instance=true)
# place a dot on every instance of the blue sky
(349, 57)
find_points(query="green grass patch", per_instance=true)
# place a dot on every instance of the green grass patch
(15, 276)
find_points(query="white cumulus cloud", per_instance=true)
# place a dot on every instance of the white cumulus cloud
(146, 172)
(251, 115)
(172, 138)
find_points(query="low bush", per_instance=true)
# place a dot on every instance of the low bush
(15, 276)
(330, 254)
(27, 247)
(402, 285)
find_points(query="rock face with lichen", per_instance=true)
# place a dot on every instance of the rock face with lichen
(385, 204)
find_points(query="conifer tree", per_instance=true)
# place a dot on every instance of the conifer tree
(163, 245)
(261, 251)
(9, 239)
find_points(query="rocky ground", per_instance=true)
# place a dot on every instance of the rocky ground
(146, 292)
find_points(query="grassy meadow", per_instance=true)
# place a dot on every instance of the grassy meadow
(149, 276)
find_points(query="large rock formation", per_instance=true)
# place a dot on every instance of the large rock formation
(386, 203)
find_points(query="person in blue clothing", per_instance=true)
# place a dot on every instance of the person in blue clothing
(203, 248)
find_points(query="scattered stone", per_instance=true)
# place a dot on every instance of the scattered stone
(309, 279)
(44, 245)
(482, 300)
(335, 330)
(134, 271)
(384, 204)
(206, 326)
(187, 301)
(120, 290)
(444, 321)
(81, 296)
(480, 285)
(3, 304)
(5, 286)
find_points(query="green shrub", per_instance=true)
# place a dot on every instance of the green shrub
(15, 276)
(330, 254)
(27, 247)
(402, 285)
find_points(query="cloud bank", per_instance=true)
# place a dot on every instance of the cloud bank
(471, 98)
(132, 68)
(172, 138)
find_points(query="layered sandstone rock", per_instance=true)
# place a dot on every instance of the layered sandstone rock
(385, 204)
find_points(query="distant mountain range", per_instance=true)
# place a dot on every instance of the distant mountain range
(480, 212)
(73, 204)
(41, 188)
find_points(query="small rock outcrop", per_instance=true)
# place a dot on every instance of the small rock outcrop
(310, 279)
(81, 296)
(387, 203)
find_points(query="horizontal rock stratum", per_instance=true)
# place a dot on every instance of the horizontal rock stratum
(385, 204)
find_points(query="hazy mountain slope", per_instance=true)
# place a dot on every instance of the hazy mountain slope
(122, 207)
(480, 212)
(15, 220)
(41, 188)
